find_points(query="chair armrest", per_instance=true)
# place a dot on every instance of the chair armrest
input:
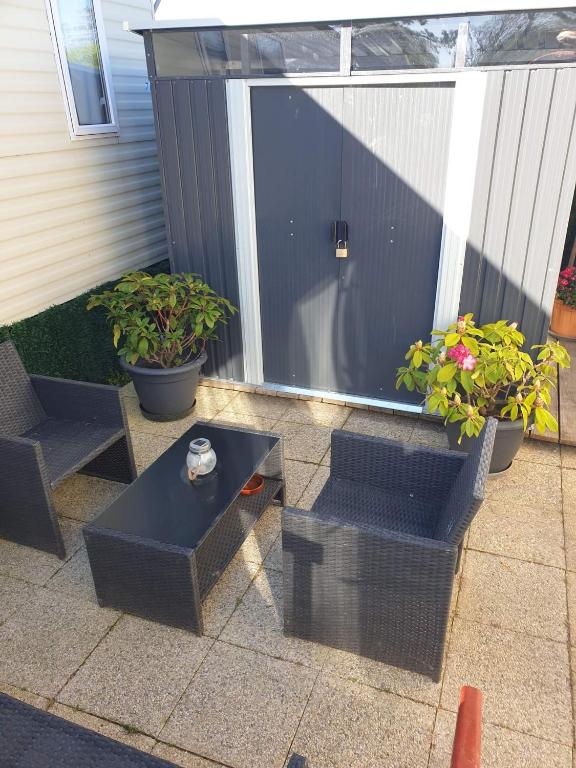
(80, 401)
(406, 467)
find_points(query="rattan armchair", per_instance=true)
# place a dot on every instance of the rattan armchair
(370, 568)
(49, 429)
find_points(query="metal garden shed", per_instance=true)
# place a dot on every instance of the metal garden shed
(353, 184)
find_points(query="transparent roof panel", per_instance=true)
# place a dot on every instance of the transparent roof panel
(247, 52)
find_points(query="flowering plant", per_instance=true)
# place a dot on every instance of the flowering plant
(469, 373)
(566, 288)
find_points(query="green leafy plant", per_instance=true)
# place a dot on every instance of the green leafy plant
(162, 320)
(469, 373)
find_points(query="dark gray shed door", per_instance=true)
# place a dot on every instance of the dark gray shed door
(374, 157)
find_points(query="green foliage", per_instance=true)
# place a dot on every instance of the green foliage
(468, 373)
(164, 320)
(68, 342)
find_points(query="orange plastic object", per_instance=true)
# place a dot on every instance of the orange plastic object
(253, 486)
(467, 739)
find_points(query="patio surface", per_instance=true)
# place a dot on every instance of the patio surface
(244, 696)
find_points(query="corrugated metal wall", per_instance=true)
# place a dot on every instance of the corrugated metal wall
(524, 188)
(192, 129)
(72, 213)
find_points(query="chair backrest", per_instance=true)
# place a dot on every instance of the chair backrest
(468, 489)
(20, 408)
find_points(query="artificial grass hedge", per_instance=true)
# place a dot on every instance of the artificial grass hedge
(68, 341)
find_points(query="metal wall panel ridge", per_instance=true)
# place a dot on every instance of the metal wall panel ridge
(191, 124)
(524, 187)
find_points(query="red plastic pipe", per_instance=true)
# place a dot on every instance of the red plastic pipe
(467, 739)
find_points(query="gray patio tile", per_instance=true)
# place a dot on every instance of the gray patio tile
(33, 565)
(45, 641)
(326, 458)
(247, 420)
(147, 448)
(226, 594)
(568, 454)
(257, 405)
(348, 725)
(304, 442)
(274, 559)
(138, 423)
(380, 425)
(525, 597)
(104, 727)
(382, 676)
(536, 485)
(40, 702)
(298, 475)
(213, 399)
(241, 708)
(182, 758)
(75, 578)
(525, 680)
(321, 414)
(257, 624)
(314, 487)
(137, 673)
(82, 497)
(14, 593)
(537, 542)
(570, 539)
(571, 595)
(430, 434)
(540, 452)
(128, 390)
(501, 748)
(260, 539)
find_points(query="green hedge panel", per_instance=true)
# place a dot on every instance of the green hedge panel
(68, 341)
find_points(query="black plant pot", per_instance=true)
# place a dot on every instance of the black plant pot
(165, 394)
(509, 436)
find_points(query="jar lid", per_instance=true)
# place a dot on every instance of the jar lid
(200, 445)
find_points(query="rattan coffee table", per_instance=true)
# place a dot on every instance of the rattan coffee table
(160, 547)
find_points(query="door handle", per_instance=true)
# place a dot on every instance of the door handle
(340, 238)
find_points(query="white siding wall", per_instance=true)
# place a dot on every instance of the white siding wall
(73, 213)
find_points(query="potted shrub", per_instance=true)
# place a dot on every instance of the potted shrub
(563, 321)
(160, 326)
(469, 373)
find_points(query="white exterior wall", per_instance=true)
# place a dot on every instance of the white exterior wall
(73, 213)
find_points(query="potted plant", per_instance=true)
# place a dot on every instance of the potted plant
(469, 373)
(160, 326)
(563, 321)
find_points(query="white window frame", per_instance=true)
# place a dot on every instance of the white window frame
(78, 131)
(462, 160)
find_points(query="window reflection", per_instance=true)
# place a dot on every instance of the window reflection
(405, 44)
(522, 38)
(243, 52)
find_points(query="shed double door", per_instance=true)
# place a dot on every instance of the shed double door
(373, 157)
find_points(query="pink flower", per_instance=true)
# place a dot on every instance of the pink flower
(563, 282)
(462, 356)
(469, 363)
(458, 353)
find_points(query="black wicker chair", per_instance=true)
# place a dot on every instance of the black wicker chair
(32, 738)
(369, 569)
(49, 429)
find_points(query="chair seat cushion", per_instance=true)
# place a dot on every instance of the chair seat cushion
(69, 445)
(358, 503)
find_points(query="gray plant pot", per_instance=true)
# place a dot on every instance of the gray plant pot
(165, 394)
(509, 437)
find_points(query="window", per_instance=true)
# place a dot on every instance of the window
(80, 43)
(528, 37)
(247, 52)
(405, 44)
